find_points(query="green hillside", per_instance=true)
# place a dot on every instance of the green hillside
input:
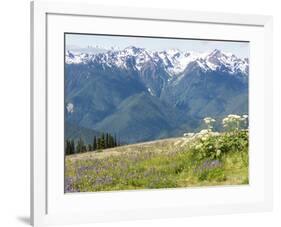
(198, 160)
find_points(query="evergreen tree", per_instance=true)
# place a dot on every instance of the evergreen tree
(98, 143)
(80, 146)
(67, 147)
(72, 147)
(102, 141)
(107, 140)
(111, 144)
(95, 143)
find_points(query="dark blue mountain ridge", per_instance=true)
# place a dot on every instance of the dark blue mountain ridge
(142, 95)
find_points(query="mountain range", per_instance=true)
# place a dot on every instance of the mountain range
(143, 95)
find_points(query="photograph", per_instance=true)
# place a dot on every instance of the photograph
(143, 112)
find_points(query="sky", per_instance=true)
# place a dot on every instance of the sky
(81, 41)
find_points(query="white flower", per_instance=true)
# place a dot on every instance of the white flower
(215, 133)
(209, 120)
(204, 131)
(205, 137)
(232, 121)
(189, 134)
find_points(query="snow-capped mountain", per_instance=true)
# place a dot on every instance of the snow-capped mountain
(144, 94)
(173, 61)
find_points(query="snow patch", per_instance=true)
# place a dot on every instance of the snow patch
(70, 107)
(173, 61)
(150, 92)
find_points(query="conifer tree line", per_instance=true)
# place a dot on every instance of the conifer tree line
(104, 141)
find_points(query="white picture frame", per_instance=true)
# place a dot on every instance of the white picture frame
(48, 203)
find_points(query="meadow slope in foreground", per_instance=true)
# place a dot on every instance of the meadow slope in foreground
(202, 159)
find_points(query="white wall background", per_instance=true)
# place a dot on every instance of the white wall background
(14, 110)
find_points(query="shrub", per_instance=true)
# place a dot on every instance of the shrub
(214, 147)
(235, 122)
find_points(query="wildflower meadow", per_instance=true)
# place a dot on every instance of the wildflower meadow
(204, 158)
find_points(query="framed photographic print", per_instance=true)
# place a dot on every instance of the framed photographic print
(144, 113)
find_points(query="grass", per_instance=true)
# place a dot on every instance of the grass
(202, 160)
